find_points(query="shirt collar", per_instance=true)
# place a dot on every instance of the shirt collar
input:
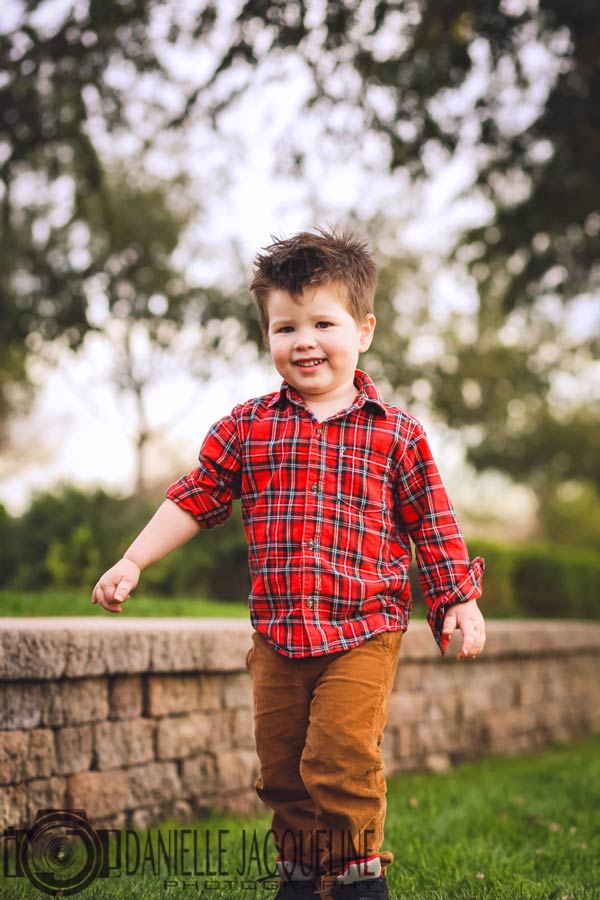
(367, 393)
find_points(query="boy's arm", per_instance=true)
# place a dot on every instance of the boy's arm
(169, 528)
(201, 499)
(451, 582)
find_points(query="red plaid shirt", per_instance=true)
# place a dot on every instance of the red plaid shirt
(328, 510)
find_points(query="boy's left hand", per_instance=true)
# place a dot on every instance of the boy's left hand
(467, 617)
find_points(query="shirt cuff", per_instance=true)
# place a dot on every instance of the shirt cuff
(189, 495)
(469, 588)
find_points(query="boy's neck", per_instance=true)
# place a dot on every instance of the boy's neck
(324, 409)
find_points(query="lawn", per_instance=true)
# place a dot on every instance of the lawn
(78, 603)
(73, 603)
(503, 828)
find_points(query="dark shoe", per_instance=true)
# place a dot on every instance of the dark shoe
(297, 890)
(369, 889)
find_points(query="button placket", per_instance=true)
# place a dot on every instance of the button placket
(310, 578)
(323, 433)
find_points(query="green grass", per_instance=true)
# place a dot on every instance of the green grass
(502, 828)
(69, 602)
(74, 603)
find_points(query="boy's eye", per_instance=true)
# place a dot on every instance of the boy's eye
(323, 324)
(285, 329)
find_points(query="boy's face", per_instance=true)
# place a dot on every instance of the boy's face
(315, 344)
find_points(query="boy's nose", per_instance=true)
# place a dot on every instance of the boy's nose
(304, 339)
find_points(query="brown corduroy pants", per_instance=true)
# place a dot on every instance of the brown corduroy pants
(318, 724)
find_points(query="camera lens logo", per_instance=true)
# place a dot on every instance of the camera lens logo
(61, 854)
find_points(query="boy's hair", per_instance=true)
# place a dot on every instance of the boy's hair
(336, 255)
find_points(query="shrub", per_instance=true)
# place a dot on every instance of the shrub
(539, 580)
(68, 537)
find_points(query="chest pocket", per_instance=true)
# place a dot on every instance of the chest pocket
(263, 470)
(363, 479)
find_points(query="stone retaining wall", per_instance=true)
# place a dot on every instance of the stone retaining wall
(135, 720)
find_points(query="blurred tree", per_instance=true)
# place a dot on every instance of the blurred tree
(139, 302)
(571, 514)
(512, 88)
(514, 84)
(521, 391)
(48, 66)
(87, 245)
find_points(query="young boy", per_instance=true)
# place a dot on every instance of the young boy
(333, 484)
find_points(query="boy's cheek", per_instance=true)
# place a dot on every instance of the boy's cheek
(278, 354)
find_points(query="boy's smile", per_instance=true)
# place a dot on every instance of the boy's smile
(315, 344)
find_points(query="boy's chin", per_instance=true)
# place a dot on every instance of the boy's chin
(303, 378)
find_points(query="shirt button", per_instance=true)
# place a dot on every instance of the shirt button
(310, 602)
(319, 431)
(311, 544)
(315, 487)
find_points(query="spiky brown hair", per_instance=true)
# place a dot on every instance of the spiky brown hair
(338, 255)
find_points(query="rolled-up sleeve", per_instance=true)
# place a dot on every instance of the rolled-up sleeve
(446, 573)
(208, 492)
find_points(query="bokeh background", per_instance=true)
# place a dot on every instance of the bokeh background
(149, 149)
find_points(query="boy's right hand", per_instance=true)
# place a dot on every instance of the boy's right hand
(115, 585)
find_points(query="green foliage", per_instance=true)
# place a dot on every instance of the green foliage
(539, 173)
(539, 581)
(116, 228)
(562, 583)
(570, 514)
(45, 74)
(8, 548)
(65, 533)
(501, 597)
(77, 559)
(68, 537)
(402, 68)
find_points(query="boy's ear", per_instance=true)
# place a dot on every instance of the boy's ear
(367, 329)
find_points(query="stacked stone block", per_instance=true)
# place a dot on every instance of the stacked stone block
(136, 721)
